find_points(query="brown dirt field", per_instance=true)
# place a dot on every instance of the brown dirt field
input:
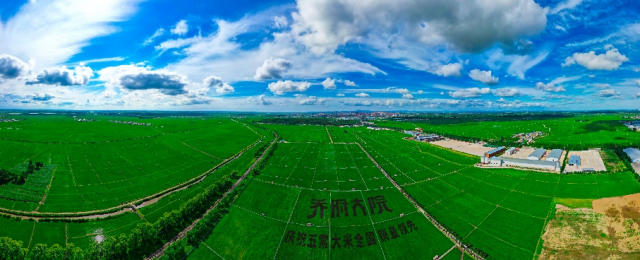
(608, 230)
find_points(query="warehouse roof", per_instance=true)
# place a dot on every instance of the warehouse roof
(538, 153)
(555, 153)
(574, 159)
(633, 153)
(516, 160)
(495, 150)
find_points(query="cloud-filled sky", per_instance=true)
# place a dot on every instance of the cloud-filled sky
(320, 55)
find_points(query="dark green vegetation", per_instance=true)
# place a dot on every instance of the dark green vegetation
(499, 213)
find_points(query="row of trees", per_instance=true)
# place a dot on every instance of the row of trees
(308, 121)
(19, 178)
(142, 240)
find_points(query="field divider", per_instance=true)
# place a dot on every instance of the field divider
(160, 252)
(113, 211)
(427, 215)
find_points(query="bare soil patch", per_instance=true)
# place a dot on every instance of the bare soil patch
(608, 230)
(465, 147)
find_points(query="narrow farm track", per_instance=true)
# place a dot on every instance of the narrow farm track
(160, 252)
(415, 204)
(113, 211)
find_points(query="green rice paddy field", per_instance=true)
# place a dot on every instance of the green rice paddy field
(319, 196)
(593, 130)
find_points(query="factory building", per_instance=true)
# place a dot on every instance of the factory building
(510, 151)
(532, 164)
(494, 151)
(554, 155)
(634, 154)
(574, 160)
(537, 154)
(495, 161)
(429, 138)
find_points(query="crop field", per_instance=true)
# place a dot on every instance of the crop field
(93, 172)
(593, 130)
(501, 211)
(322, 201)
(301, 134)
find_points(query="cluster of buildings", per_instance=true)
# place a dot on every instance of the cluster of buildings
(8, 120)
(83, 120)
(633, 125)
(377, 128)
(418, 135)
(129, 122)
(527, 137)
(533, 160)
(634, 154)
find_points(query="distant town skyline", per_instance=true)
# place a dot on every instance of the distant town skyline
(320, 55)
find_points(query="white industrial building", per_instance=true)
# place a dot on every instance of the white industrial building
(574, 160)
(532, 164)
(510, 151)
(537, 154)
(634, 154)
(554, 155)
(495, 161)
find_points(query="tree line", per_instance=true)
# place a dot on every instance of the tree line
(141, 241)
(19, 177)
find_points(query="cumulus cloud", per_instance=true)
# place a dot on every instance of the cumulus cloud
(280, 87)
(12, 67)
(449, 70)
(340, 95)
(181, 28)
(260, 100)
(610, 60)
(273, 68)
(62, 76)
(132, 78)
(216, 83)
(607, 93)
(549, 87)
(396, 90)
(407, 96)
(362, 95)
(41, 97)
(469, 92)
(312, 100)
(353, 84)
(638, 82)
(280, 22)
(467, 25)
(506, 92)
(329, 84)
(483, 76)
(602, 85)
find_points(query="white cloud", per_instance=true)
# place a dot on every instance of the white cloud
(132, 78)
(362, 95)
(407, 96)
(483, 76)
(518, 64)
(51, 32)
(155, 35)
(273, 68)
(220, 86)
(280, 87)
(280, 21)
(610, 60)
(506, 92)
(350, 83)
(602, 85)
(260, 100)
(638, 82)
(568, 4)
(608, 93)
(396, 90)
(12, 67)
(550, 87)
(62, 76)
(469, 92)
(181, 28)
(467, 25)
(420, 92)
(449, 70)
(329, 84)
(340, 95)
(312, 100)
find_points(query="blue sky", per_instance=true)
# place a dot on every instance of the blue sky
(320, 55)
